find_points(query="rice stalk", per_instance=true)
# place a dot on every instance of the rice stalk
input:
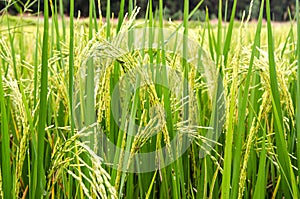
(24, 126)
(229, 33)
(5, 148)
(284, 160)
(259, 191)
(230, 127)
(250, 139)
(243, 104)
(298, 86)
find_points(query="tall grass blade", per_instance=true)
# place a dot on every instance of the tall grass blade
(229, 33)
(91, 9)
(33, 173)
(298, 86)
(116, 135)
(219, 36)
(41, 181)
(260, 190)
(71, 65)
(62, 15)
(288, 183)
(121, 15)
(242, 108)
(5, 147)
(226, 180)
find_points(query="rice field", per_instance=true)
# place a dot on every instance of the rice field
(148, 108)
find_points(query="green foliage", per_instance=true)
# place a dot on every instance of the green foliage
(48, 92)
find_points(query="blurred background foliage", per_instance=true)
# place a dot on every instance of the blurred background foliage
(173, 9)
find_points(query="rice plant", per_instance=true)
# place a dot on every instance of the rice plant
(148, 108)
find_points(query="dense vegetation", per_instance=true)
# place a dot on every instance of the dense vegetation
(149, 108)
(172, 9)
